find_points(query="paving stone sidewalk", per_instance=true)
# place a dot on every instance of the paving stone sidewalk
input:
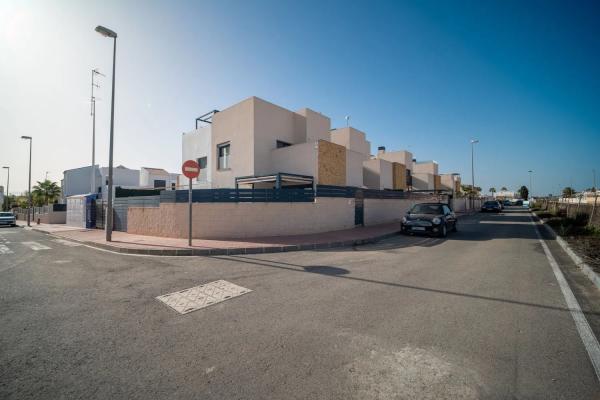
(123, 242)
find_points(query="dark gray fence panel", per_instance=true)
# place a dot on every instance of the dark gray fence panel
(122, 204)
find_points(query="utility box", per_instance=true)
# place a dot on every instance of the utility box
(81, 211)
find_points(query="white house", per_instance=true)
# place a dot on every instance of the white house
(157, 178)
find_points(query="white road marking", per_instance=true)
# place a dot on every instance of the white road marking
(66, 242)
(583, 327)
(5, 250)
(36, 246)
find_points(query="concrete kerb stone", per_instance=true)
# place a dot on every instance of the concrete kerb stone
(222, 252)
(586, 269)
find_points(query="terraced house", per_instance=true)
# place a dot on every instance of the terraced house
(258, 144)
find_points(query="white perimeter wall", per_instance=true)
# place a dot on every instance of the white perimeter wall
(379, 211)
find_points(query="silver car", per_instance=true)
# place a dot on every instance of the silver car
(8, 218)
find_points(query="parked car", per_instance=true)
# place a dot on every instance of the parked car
(506, 203)
(8, 218)
(519, 203)
(491, 206)
(429, 218)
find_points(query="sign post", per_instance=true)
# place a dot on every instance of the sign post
(191, 170)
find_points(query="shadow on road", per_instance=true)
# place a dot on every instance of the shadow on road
(346, 275)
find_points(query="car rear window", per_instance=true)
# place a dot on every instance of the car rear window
(6, 214)
(491, 203)
(427, 209)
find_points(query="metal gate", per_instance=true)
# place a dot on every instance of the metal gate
(359, 207)
(99, 209)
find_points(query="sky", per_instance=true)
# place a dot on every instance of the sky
(427, 76)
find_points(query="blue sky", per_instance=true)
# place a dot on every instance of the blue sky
(522, 77)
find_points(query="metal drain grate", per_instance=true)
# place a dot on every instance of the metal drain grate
(192, 299)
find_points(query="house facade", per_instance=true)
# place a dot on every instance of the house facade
(258, 144)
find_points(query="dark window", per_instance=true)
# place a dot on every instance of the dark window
(160, 183)
(173, 186)
(281, 144)
(223, 154)
(202, 162)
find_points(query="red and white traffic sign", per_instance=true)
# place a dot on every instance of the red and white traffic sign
(190, 169)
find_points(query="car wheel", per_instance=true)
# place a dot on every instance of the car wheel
(443, 231)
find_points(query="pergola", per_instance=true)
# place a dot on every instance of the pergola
(278, 179)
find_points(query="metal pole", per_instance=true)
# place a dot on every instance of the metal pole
(29, 192)
(109, 209)
(93, 173)
(190, 213)
(8, 187)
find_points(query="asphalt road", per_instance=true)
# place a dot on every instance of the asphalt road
(477, 315)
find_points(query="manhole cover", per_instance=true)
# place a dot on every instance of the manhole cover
(192, 299)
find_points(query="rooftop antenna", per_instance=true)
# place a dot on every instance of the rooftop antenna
(347, 117)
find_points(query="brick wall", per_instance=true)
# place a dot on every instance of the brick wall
(242, 220)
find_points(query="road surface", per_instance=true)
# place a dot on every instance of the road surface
(479, 315)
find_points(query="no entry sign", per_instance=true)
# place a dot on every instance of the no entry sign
(190, 169)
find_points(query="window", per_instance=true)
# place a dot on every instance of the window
(202, 162)
(160, 183)
(281, 144)
(223, 152)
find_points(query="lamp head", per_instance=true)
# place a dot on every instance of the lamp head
(474, 141)
(26, 137)
(106, 32)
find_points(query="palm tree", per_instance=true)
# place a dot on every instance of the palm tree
(504, 189)
(492, 190)
(46, 191)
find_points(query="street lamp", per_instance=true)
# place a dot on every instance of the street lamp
(473, 142)
(29, 190)
(109, 209)
(7, 186)
(530, 183)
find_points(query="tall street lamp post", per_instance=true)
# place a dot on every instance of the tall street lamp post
(109, 209)
(29, 186)
(473, 142)
(530, 182)
(93, 114)
(7, 186)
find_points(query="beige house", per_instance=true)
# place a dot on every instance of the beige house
(450, 182)
(258, 144)
(255, 143)
(425, 176)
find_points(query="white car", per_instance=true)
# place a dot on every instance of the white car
(8, 218)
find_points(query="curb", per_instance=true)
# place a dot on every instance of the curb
(587, 270)
(226, 252)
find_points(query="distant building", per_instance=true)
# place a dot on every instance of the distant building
(77, 181)
(157, 178)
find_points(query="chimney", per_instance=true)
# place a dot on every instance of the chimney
(380, 150)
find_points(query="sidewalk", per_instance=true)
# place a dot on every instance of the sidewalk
(123, 242)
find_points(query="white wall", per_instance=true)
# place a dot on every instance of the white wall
(352, 139)
(297, 159)
(236, 126)
(354, 168)
(378, 174)
(197, 144)
(423, 181)
(78, 181)
(317, 125)
(429, 167)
